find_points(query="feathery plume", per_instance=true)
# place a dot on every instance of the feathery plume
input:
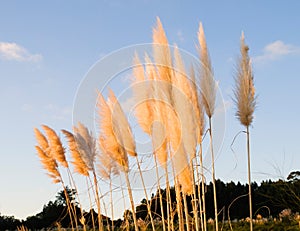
(107, 166)
(183, 170)
(49, 164)
(140, 87)
(160, 109)
(78, 163)
(123, 126)
(57, 151)
(108, 134)
(161, 52)
(208, 92)
(244, 90)
(245, 101)
(159, 134)
(86, 145)
(182, 97)
(197, 107)
(41, 139)
(178, 154)
(208, 84)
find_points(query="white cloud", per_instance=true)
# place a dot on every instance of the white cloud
(276, 50)
(13, 51)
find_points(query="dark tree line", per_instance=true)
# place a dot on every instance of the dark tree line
(269, 199)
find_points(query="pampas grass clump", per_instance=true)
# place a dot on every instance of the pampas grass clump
(170, 110)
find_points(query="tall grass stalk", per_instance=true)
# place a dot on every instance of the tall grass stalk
(213, 174)
(148, 113)
(90, 201)
(128, 140)
(202, 187)
(245, 101)
(111, 139)
(111, 205)
(200, 124)
(146, 195)
(186, 212)
(80, 167)
(86, 144)
(124, 202)
(131, 200)
(194, 198)
(100, 222)
(208, 92)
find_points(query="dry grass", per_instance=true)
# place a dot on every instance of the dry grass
(170, 109)
(244, 89)
(57, 151)
(78, 163)
(207, 82)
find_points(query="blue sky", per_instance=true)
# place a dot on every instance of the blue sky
(46, 49)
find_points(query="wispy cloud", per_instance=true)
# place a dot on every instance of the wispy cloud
(276, 50)
(13, 51)
(58, 112)
(180, 35)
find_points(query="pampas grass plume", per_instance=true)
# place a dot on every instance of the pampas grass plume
(41, 139)
(197, 107)
(140, 87)
(57, 150)
(86, 145)
(78, 163)
(49, 165)
(182, 95)
(122, 125)
(244, 90)
(108, 135)
(208, 84)
(161, 52)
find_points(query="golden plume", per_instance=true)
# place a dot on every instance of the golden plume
(140, 87)
(107, 167)
(182, 98)
(49, 164)
(57, 150)
(161, 52)
(41, 139)
(78, 163)
(121, 122)
(108, 140)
